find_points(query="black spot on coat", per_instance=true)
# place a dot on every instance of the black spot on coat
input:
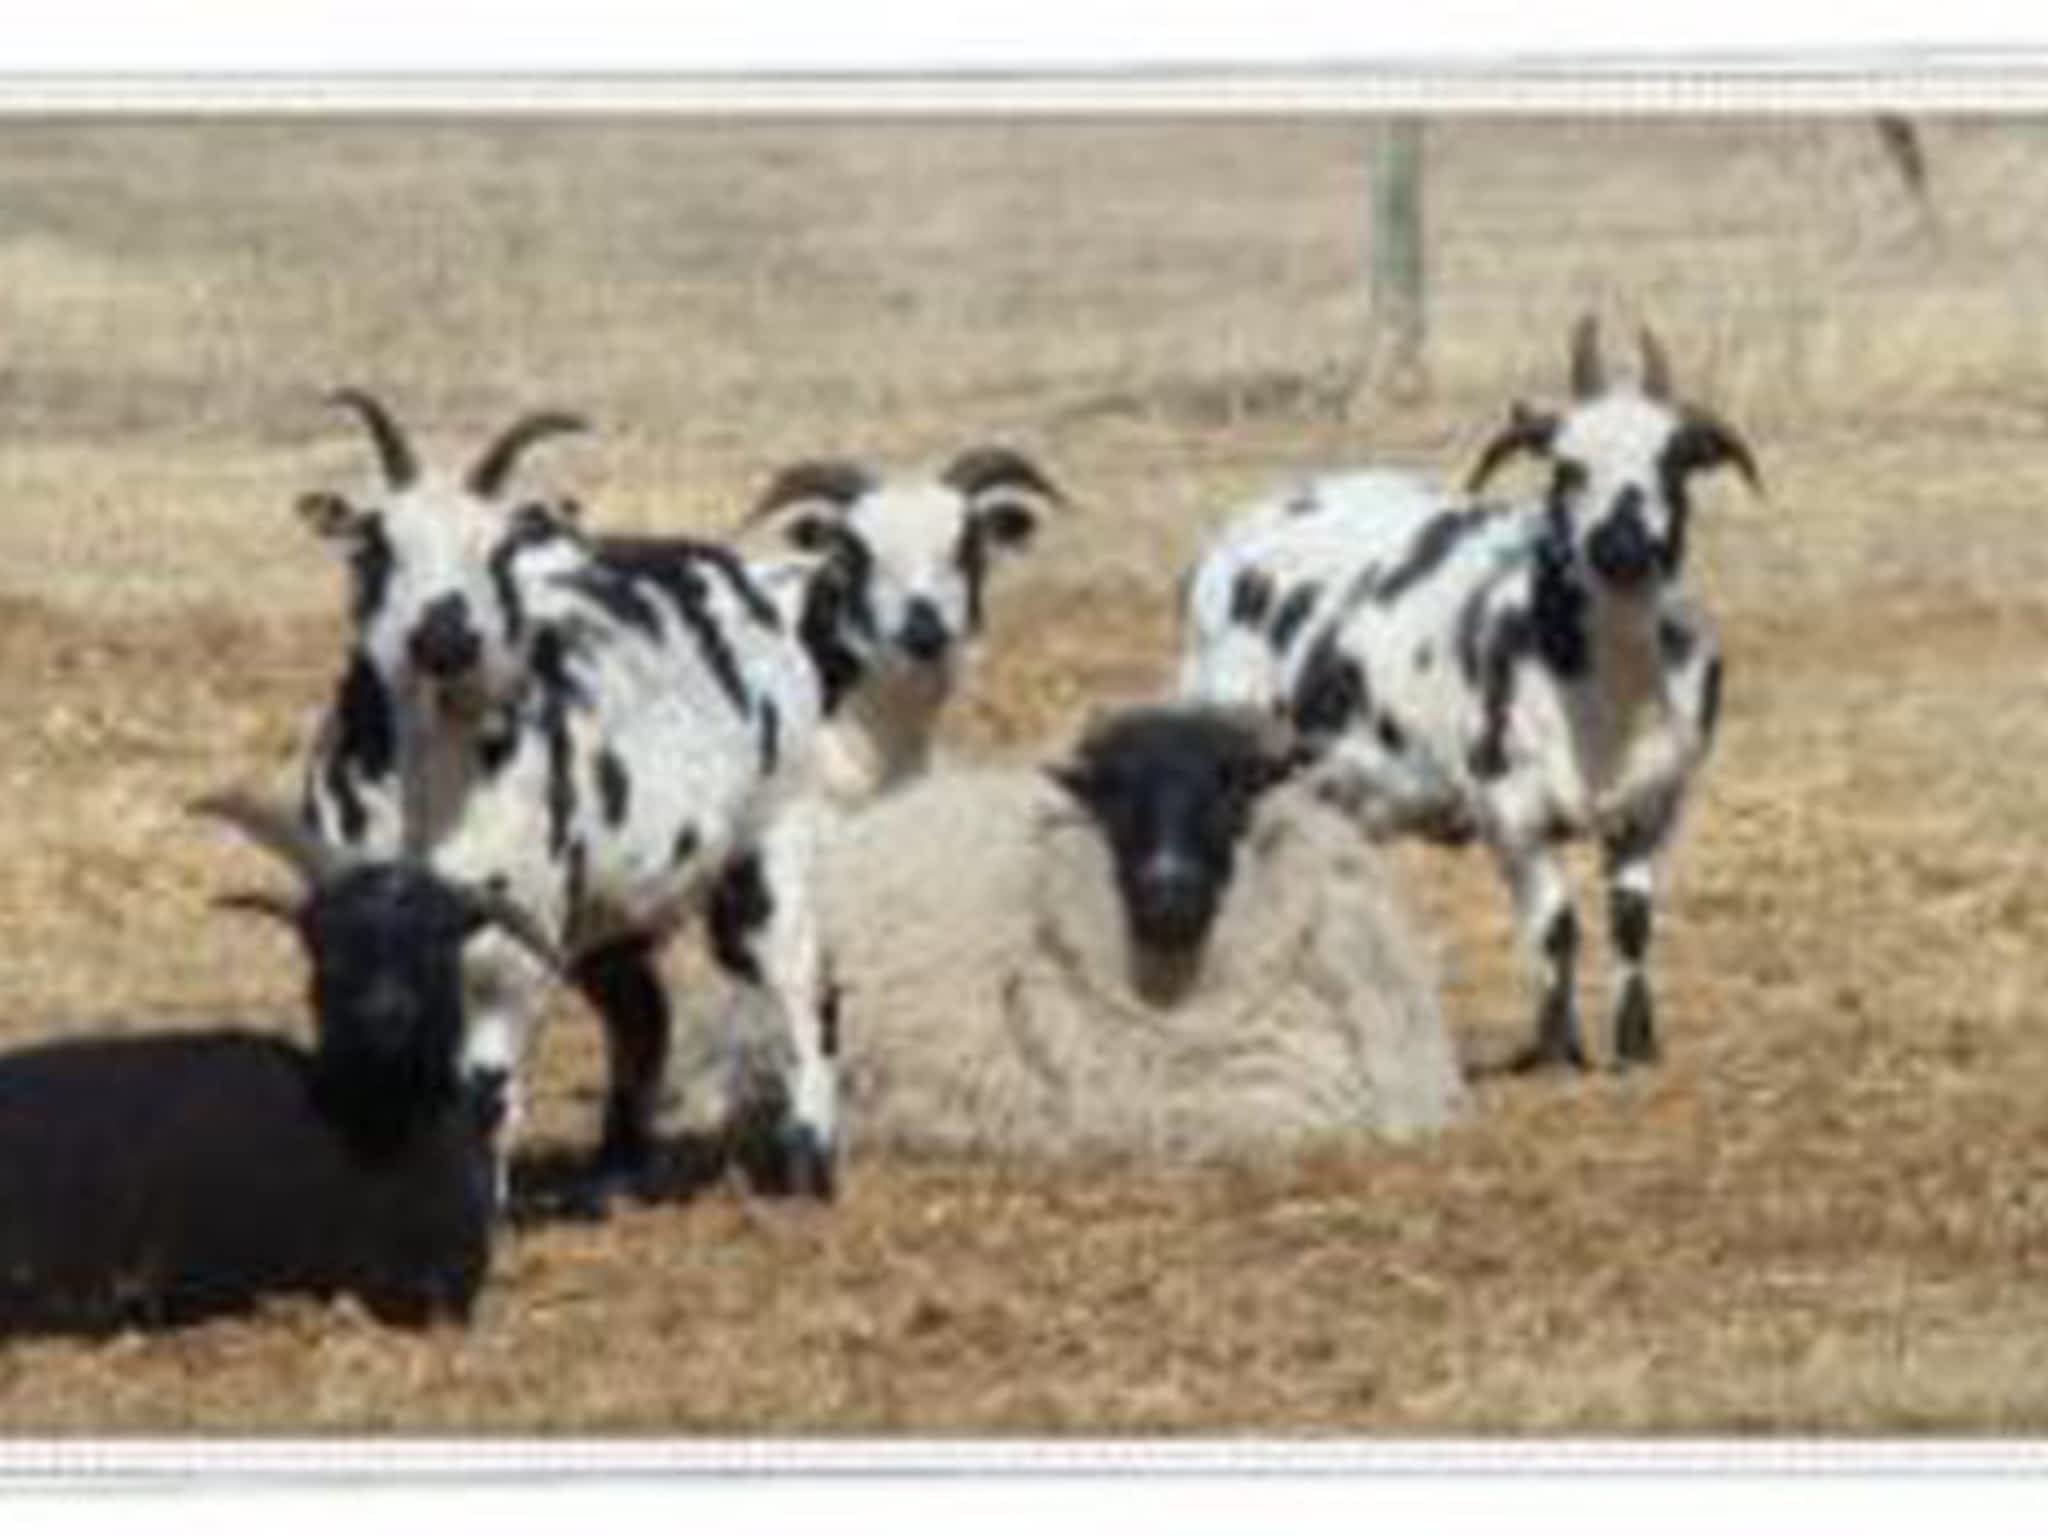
(576, 877)
(1676, 642)
(1432, 546)
(1558, 613)
(619, 596)
(1471, 637)
(550, 667)
(625, 580)
(828, 1021)
(740, 905)
(370, 564)
(1710, 700)
(1672, 471)
(530, 528)
(1292, 614)
(365, 745)
(733, 571)
(1331, 690)
(685, 846)
(496, 748)
(836, 614)
(1251, 598)
(683, 581)
(614, 786)
(658, 559)
(1512, 638)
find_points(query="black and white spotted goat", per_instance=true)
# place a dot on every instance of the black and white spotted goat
(889, 592)
(1522, 673)
(159, 1179)
(615, 744)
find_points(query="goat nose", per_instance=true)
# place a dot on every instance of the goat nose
(1621, 549)
(444, 643)
(923, 635)
(385, 1016)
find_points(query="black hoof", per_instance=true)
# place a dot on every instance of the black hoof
(1635, 1032)
(1636, 1055)
(1547, 1056)
(615, 1174)
(792, 1161)
(589, 1200)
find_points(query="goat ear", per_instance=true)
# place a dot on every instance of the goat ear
(265, 904)
(1075, 778)
(1281, 753)
(1276, 768)
(329, 515)
(1707, 442)
(1527, 431)
(565, 513)
(1008, 524)
(814, 532)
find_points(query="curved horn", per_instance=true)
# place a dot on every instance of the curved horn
(275, 831)
(488, 904)
(1656, 367)
(263, 904)
(400, 464)
(1589, 374)
(1526, 431)
(487, 476)
(1709, 442)
(988, 467)
(841, 482)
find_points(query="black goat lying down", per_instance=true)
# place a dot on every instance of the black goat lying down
(161, 1179)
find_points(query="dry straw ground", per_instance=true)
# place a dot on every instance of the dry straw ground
(1825, 1212)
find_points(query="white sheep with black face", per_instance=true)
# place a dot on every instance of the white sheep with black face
(890, 590)
(619, 745)
(1521, 673)
(1154, 946)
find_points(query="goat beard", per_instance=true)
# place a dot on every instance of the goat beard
(909, 678)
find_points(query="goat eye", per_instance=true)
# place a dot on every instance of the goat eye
(1570, 477)
(532, 517)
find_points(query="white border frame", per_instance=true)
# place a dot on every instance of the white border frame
(1946, 80)
(161, 1461)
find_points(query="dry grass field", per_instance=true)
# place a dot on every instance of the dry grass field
(1826, 1211)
